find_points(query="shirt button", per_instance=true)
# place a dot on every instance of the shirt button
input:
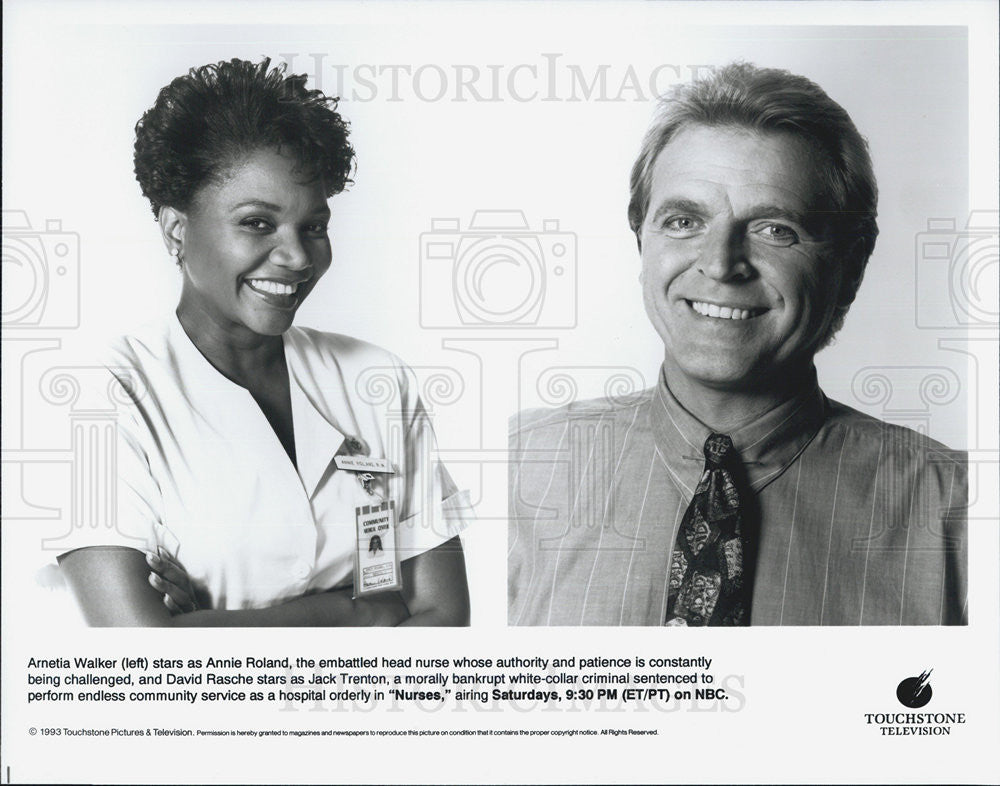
(301, 569)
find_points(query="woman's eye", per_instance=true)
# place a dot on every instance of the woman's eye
(778, 234)
(317, 229)
(258, 224)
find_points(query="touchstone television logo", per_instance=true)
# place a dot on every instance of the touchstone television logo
(915, 692)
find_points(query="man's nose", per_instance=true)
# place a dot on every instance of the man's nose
(290, 252)
(723, 256)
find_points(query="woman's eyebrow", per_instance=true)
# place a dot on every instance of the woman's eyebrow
(320, 211)
(256, 203)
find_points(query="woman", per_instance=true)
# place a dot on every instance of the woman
(247, 449)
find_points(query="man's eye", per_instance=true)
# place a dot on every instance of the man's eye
(682, 225)
(778, 234)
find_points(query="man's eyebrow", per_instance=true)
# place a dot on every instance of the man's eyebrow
(680, 205)
(818, 223)
(794, 216)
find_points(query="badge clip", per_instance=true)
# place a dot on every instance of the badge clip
(366, 479)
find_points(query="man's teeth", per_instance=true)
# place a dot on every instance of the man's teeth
(272, 287)
(722, 312)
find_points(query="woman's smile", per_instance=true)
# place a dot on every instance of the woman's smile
(275, 293)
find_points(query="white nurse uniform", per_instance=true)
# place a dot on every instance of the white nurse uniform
(201, 473)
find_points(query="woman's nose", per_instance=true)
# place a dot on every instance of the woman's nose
(290, 252)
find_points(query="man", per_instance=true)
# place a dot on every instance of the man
(734, 492)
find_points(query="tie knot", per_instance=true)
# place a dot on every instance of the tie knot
(717, 448)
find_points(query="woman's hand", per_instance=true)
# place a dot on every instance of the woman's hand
(169, 578)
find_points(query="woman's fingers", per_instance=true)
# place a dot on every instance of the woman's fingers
(171, 579)
(167, 567)
(168, 570)
(174, 598)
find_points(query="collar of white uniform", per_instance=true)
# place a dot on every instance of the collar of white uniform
(213, 395)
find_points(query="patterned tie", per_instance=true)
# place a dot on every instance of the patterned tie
(707, 582)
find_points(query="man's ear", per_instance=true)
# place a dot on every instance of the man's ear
(172, 226)
(854, 271)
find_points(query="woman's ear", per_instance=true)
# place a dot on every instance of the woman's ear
(172, 225)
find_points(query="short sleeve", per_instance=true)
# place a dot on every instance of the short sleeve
(119, 500)
(434, 510)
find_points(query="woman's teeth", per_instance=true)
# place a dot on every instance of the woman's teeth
(271, 287)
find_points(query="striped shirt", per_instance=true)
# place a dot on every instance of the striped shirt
(860, 522)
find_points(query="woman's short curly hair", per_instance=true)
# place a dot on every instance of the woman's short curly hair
(207, 121)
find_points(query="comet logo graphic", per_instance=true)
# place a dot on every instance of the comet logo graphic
(915, 692)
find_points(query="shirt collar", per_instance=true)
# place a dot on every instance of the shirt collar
(317, 440)
(222, 401)
(766, 445)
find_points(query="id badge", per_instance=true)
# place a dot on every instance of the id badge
(376, 558)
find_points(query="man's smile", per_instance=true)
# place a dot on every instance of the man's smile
(717, 311)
